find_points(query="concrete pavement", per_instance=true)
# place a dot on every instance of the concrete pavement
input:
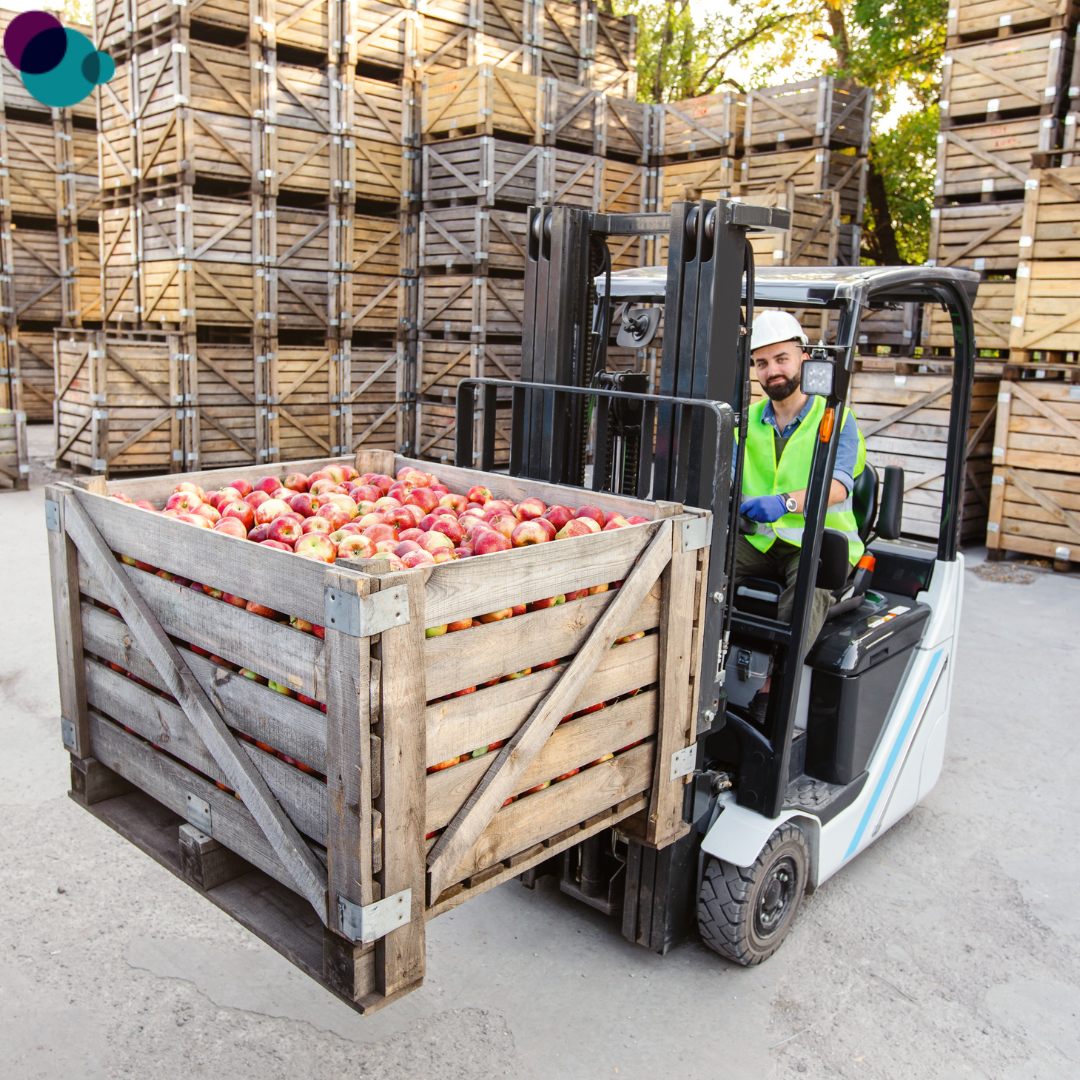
(951, 948)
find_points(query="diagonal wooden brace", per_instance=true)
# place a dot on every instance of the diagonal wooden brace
(301, 865)
(518, 754)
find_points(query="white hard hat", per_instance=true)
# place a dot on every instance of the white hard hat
(771, 327)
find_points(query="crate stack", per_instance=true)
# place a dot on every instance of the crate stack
(540, 110)
(48, 236)
(1004, 93)
(253, 182)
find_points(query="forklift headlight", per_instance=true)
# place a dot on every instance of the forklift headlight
(817, 377)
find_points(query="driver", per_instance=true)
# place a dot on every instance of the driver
(780, 436)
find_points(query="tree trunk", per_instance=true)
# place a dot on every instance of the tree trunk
(882, 247)
(666, 41)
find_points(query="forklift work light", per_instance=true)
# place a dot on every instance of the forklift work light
(817, 377)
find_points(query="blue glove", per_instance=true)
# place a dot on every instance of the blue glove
(764, 508)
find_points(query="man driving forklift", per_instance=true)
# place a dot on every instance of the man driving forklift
(780, 435)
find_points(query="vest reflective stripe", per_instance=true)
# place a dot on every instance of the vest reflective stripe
(763, 475)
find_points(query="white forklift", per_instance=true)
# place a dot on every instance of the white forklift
(854, 736)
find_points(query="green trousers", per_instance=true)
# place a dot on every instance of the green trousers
(781, 563)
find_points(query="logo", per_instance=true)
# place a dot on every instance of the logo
(59, 66)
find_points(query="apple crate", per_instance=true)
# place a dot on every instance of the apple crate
(332, 793)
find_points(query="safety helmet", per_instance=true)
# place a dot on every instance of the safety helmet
(771, 327)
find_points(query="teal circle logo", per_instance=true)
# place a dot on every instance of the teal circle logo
(59, 66)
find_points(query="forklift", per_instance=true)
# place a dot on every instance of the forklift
(854, 735)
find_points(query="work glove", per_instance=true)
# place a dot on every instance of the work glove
(764, 508)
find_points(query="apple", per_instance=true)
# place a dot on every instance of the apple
(438, 487)
(539, 787)
(269, 510)
(410, 534)
(517, 674)
(444, 555)
(529, 508)
(376, 517)
(256, 499)
(356, 547)
(276, 544)
(637, 519)
(195, 519)
(423, 497)
(615, 523)
(558, 515)
(208, 512)
(261, 609)
(299, 624)
(336, 472)
(190, 485)
(183, 502)
(464, 551)
(449, 528)
(378, 532)
(551, 601)
(269, 484)
(285, 530)
(432, 541)
(443, 764)
(454, 502)
(295, 481)
(576, 594)
(400, 519)
(241, 485)
(259, 534)
(386, 502)
(381, 481)
(302, 503)
(143, 504)
(316, 525)
(630, 637)
(577, 527)
(403, 548)
(217, 594)
(323, 487)
(319, 474)
(121, 497)
(367, 491)
(497, 616)
(235, 601)
(348, 472)
(566, 775)
(385, 545)
(392, 559)
(478, 494)
(593, 512)
(345, 503)
(334, 514)
(243, 513)
(487, 541)
(460, 624)
(467, 521)
(599, 760)
(413, 559)
(231, 526)
(503, 522)
(529, 532)
(618, 514)
(317, 546)
(499, 504)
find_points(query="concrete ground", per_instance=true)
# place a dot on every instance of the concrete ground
(951, 948)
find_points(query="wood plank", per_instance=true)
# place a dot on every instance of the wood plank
(242, 776)
(516, 756)
(571, 746)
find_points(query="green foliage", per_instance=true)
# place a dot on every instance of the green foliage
(905, 158)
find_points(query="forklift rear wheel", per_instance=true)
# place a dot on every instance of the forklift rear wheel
(744, 913)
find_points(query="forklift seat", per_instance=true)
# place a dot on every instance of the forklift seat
(864, 499)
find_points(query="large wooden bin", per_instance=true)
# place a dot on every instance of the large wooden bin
(338, 861)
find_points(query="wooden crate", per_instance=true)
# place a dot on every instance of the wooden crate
(474, 308)
(706, 126)
(1035, 498)
(373, 404)
(299, 851)
(700, 178)
(992, 313)
(14, 95)
(825, 112)
(985, 158)
(976, 236)
(472, 236)
(49, 164)
(905, 421)
(893, 330)
(984, 80)
(810, 172)
(600, 123)
(971, 20)
(814, 236)
(14, 457)
(449, 37)
(441, 365)
(30, 359)
(482, 100)
(613, 65)
(483, 170)
(55, 276)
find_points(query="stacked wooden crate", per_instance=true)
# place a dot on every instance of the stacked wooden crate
(1004, 86)
(254, 180)
(510, 129)
(48, 235)
(14, 460)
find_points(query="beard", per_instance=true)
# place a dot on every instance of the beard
(780, 389)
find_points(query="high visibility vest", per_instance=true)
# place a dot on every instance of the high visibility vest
(762, 475)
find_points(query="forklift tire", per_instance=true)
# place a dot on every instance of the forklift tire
(744, 913)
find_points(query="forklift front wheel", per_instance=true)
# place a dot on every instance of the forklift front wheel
(744, 913)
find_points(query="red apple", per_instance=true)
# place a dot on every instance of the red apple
(255, 499)
(243, 486)
(381, 481)
(488, 541)
(208, 512)
(190, 485)
(593, 512)
(121, 497)
(417, 558)
(576, 594)
(234, 600)
(529, 532)
(558, 515)
(259, 534)
(410, 534)
(343, 502)
(269, 484)
(437, 487)
(334, 514)
(460, 624)
(367, 491)
(478, 494)
(551, 601)
(276, 544)
(444, 555)
(231, 526)
(285, 530)
(529, 508)
(578, 527)
(401, 519)
(464, 551)
(269, 510)
(432, 541)
(637, 519)
(183, 502)
(449, 528)
(497, 616)
(316, 525)
(595, 590)
(618, 514)
(376, 517)
(385, 545)
(242, 511)
(302, 503)
(454, 502)
(382, 531)
(403, 547)
(356, 547)
(423, 497)
(194, 519)
(143, 504)
(316, 546)
(392, 559)
(261, 609)
(296, 481)
(615, 523)
(499, 504)
(504, 522)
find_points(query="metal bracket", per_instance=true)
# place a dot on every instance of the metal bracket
(375, 921)
(67, 733)
(362, 616)
(198, 813)
(682, 761)
(695, 533)
(52, 515)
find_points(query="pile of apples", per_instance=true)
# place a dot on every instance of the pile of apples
(409, 520)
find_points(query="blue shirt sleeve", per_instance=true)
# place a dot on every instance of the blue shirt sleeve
(847, 454)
